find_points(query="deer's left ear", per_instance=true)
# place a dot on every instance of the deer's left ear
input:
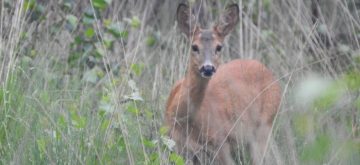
(228, 20)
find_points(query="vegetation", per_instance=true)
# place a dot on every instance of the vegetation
(86, 82)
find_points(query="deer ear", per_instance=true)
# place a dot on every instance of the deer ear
(228, 20)
(186, 21)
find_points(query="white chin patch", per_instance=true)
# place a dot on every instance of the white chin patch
(205, 76)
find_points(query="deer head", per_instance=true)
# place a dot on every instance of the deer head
(206, 44)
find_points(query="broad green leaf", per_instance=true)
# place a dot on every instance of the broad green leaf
(73, 58)
(135, 22)
(177, 159)
(154, 159)
(137, 68)
(33, 53)
(150, 40)
(148, 143)
(29, 4)
(68, 5)
(117, 30)
(131, 108)
(88, 20)
(89, 33)
(100, 51)
(107, 22)
(105, 124)
(72, 20)
(62, 122)
(100, 4)
(317, 151)
(108, 43)
(77, 120)
(163, 130)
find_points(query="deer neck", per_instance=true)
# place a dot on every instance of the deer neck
(194, 89)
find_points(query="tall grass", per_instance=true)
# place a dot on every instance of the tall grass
(86, 82)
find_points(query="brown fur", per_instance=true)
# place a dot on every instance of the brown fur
(209, 117)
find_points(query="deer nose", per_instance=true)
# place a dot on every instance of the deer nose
(207, 70)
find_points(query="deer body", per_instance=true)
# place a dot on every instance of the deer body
(216, 108)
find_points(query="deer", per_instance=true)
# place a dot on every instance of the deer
(216, 107)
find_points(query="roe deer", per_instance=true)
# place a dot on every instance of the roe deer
(217, 107)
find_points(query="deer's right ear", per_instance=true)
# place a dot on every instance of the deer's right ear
(186, 21)
(228, 20)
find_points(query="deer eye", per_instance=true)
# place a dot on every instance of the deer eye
(218, 48)
(195, 48)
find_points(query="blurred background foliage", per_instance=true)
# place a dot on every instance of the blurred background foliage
(85, 82)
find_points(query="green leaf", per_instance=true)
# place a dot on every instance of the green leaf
(117, 30)
(88, 20)
(137, 68)
(131, 108)
(77, 120)
(148, 143)
(163, 130)
(73, 58)
(100, 4)
(108, 43)
(135, 22)
(33, 53)
(105, 124)
(154, 159)
(62, 122)
(72, 20)
(67, 5)
(107, 22)
(316, 151)
(150, 40)
(352, 80)
(89, 33)
(29, 5)
(177, 159)
(100, 51)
